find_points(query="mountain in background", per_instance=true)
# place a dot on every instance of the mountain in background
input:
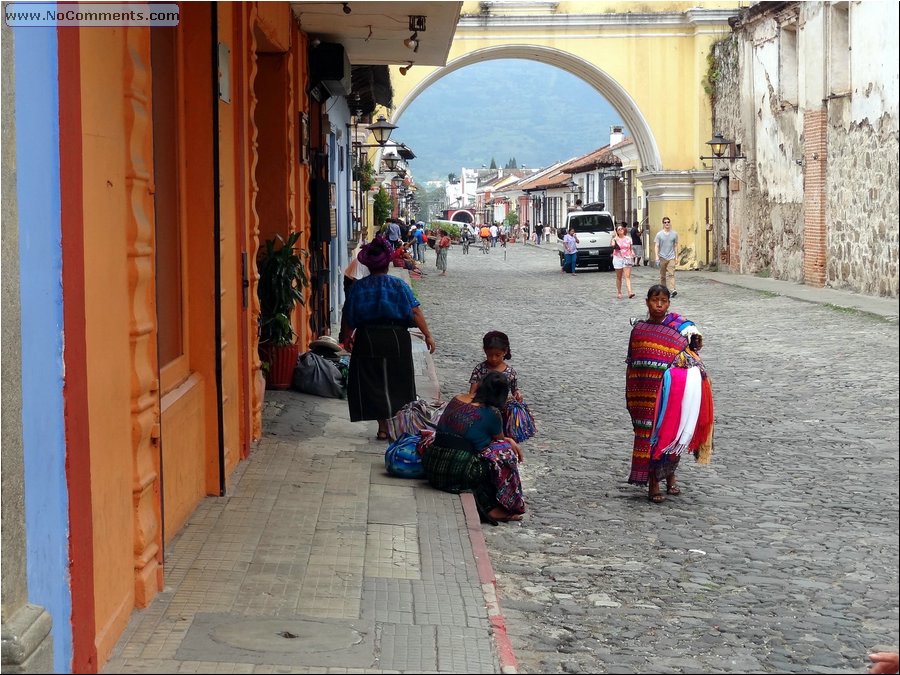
(502, 109)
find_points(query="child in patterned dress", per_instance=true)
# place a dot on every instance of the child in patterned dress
(496, 352)
(517, 419)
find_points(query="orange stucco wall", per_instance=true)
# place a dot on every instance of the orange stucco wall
(128, 455)
(184, 485)
(107, 331)
(230, 238)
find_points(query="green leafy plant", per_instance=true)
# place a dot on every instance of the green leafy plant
(381, 207)
(452, 229)
(364, 172)
(282, 277)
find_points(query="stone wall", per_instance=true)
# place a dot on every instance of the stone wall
(763, 230)
(762, 205)
(862, 205)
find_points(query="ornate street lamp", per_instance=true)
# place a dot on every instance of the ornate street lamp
(390, 160)
(718, 145)
(381, 130)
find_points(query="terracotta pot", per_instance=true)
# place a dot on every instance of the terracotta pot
(282, 360)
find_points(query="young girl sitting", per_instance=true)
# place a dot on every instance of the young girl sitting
(517, 420)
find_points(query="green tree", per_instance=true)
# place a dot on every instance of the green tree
(493, 163)
(381, 207)
(511, 164)
(512, 218)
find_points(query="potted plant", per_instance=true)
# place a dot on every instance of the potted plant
(364, 173)
(282, 277)
(381, 207)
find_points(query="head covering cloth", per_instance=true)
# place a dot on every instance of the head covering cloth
(377, 254)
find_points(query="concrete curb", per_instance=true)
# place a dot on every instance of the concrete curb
(505, 652)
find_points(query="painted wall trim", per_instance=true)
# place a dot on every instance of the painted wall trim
(40, 255)
(75, 390)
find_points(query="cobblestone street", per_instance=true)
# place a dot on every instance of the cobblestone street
(779, 557)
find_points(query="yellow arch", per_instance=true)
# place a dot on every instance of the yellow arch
(608, 87)
(647, 59)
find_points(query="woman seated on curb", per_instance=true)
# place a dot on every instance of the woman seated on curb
(470, 453)
(402, 258)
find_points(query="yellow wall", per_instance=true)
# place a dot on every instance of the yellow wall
(660, 65)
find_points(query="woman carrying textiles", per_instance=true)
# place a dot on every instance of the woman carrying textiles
(668, 395)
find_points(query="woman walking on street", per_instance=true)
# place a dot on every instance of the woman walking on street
(381, 308)
(668, 395)
(442, 246)
(622, 259)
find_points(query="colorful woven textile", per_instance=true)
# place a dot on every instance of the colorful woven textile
(518, 422)
(651, 350)
(463, 458)
(412, 418)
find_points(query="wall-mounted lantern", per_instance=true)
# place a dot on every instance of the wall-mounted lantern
(719, 145)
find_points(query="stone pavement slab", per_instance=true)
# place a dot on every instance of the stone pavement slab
(318, 561)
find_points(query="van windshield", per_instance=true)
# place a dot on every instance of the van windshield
(591, 222)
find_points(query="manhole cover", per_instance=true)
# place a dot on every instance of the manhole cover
(286, 635)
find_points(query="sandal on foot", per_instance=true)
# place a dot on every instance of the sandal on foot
(381, 436)
(673, 489)
(657, 498)
(630, 295)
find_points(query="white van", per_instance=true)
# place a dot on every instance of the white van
(595, 229)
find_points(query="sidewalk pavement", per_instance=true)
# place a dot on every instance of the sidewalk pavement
(317, 561)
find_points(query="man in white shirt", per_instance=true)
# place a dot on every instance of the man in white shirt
(495, 232)
(666, 246)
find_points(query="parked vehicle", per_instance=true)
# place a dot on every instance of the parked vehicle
(595, 229)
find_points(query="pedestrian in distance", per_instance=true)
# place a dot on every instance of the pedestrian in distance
(668, 395)
(380, 309)
(570, 247)
(442, 248)
(420, 244)
(393, 233)
(622, 259)
(637, 243)
(666, 243)
(470, 453)
(485, 234)
(538, 233)
(546, 234)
